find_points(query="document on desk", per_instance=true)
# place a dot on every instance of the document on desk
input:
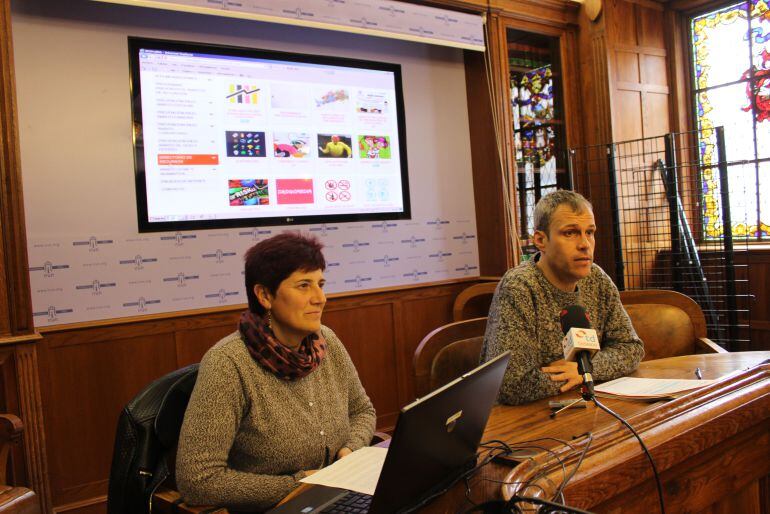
(632, 388)
(358, 472)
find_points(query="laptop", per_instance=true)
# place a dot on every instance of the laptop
(434, 444)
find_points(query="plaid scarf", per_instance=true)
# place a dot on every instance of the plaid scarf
(284, 362)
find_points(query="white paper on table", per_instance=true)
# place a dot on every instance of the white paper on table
(358, 472)
(633, 387)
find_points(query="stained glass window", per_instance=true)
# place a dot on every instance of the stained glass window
(537, 118)
(731, 71)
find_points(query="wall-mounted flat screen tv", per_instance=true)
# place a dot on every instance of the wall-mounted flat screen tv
(233, 137)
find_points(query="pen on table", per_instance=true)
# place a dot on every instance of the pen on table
(698, 374)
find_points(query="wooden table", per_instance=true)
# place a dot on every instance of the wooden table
(711, 447)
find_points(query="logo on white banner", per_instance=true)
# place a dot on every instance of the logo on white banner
(323, 229)
(255, 233)
(178, 238)
(222, 295)
(95, 286)
(138, 261)
(466, 269)
(384, 226)
(415, 274)
(355, 245)
(141, 304)
(386, 260)
(438, 222)
(440, 255)
(93, 243)
(413, 240)
(358, 280)
(48, 268)
(52, 313)
(181, 279)
(219, 255)
(464, 237)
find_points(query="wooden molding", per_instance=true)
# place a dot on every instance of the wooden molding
(31, 407)
(701, 425)
(15, 300)
(557, 13)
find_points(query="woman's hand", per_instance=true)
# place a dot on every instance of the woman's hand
(344, 452)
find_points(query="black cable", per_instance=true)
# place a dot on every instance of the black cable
(560, 490)
(644, 447)
(554, 507)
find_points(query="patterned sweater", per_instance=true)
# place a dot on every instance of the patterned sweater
(248, 436)
(524, 318)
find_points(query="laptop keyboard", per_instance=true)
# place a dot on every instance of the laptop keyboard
(353, 502)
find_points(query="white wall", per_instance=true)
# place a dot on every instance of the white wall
(72, 82)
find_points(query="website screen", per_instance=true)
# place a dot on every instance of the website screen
(227, 137)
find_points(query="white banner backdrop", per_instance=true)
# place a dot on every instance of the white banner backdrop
(98, 277)
(385, 18)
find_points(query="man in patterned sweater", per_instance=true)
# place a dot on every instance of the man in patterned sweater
(524, 315)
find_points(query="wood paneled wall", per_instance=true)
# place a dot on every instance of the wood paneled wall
(89, 374)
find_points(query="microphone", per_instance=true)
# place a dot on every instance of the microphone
(580, 343)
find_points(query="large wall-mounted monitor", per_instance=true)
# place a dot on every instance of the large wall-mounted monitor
(232, 137)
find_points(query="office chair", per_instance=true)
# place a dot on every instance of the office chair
(145, 442)
(474, 301)
(446, 353)
(669, 323)
(13, 500)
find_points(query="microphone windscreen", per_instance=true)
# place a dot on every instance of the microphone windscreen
(574, 316)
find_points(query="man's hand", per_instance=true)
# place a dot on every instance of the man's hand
(344, 452)
(564, 371)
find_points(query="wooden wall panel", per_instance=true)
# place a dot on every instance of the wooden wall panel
(627, 67)
(192, 343)
(420, 317)
(367, 333)
(628, 116)
(85, 389)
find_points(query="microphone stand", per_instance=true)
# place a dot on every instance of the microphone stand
(586, 388)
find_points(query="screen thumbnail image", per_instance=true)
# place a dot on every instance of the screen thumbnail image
(377, 189)
(288, 96)
(248, 191)
(371, 102)
(335, 146)
(332, 99)
(374, 147)
(291, 144)
(243, 94)
(245, 144)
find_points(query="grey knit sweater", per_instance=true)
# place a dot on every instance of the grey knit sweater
(248, 436)
(524, 318)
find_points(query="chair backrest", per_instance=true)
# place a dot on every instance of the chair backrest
(446, 353)
(474, 301)
(668, 322)
(13, 500)
(147, 433)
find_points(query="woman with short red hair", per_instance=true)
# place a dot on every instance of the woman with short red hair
(276, 399)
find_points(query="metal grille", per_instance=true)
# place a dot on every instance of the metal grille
(648, 194)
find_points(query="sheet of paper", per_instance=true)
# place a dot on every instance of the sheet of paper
(358, 472)
(649, 387)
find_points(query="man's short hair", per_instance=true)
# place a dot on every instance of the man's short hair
(548, 204)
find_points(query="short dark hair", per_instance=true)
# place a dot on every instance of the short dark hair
(548, 204)
(270, 262)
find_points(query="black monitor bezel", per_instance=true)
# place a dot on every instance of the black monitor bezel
(135, 44)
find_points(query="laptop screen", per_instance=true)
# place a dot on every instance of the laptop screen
(436, 438)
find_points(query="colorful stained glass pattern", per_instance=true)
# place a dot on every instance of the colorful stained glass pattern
(731, 71)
